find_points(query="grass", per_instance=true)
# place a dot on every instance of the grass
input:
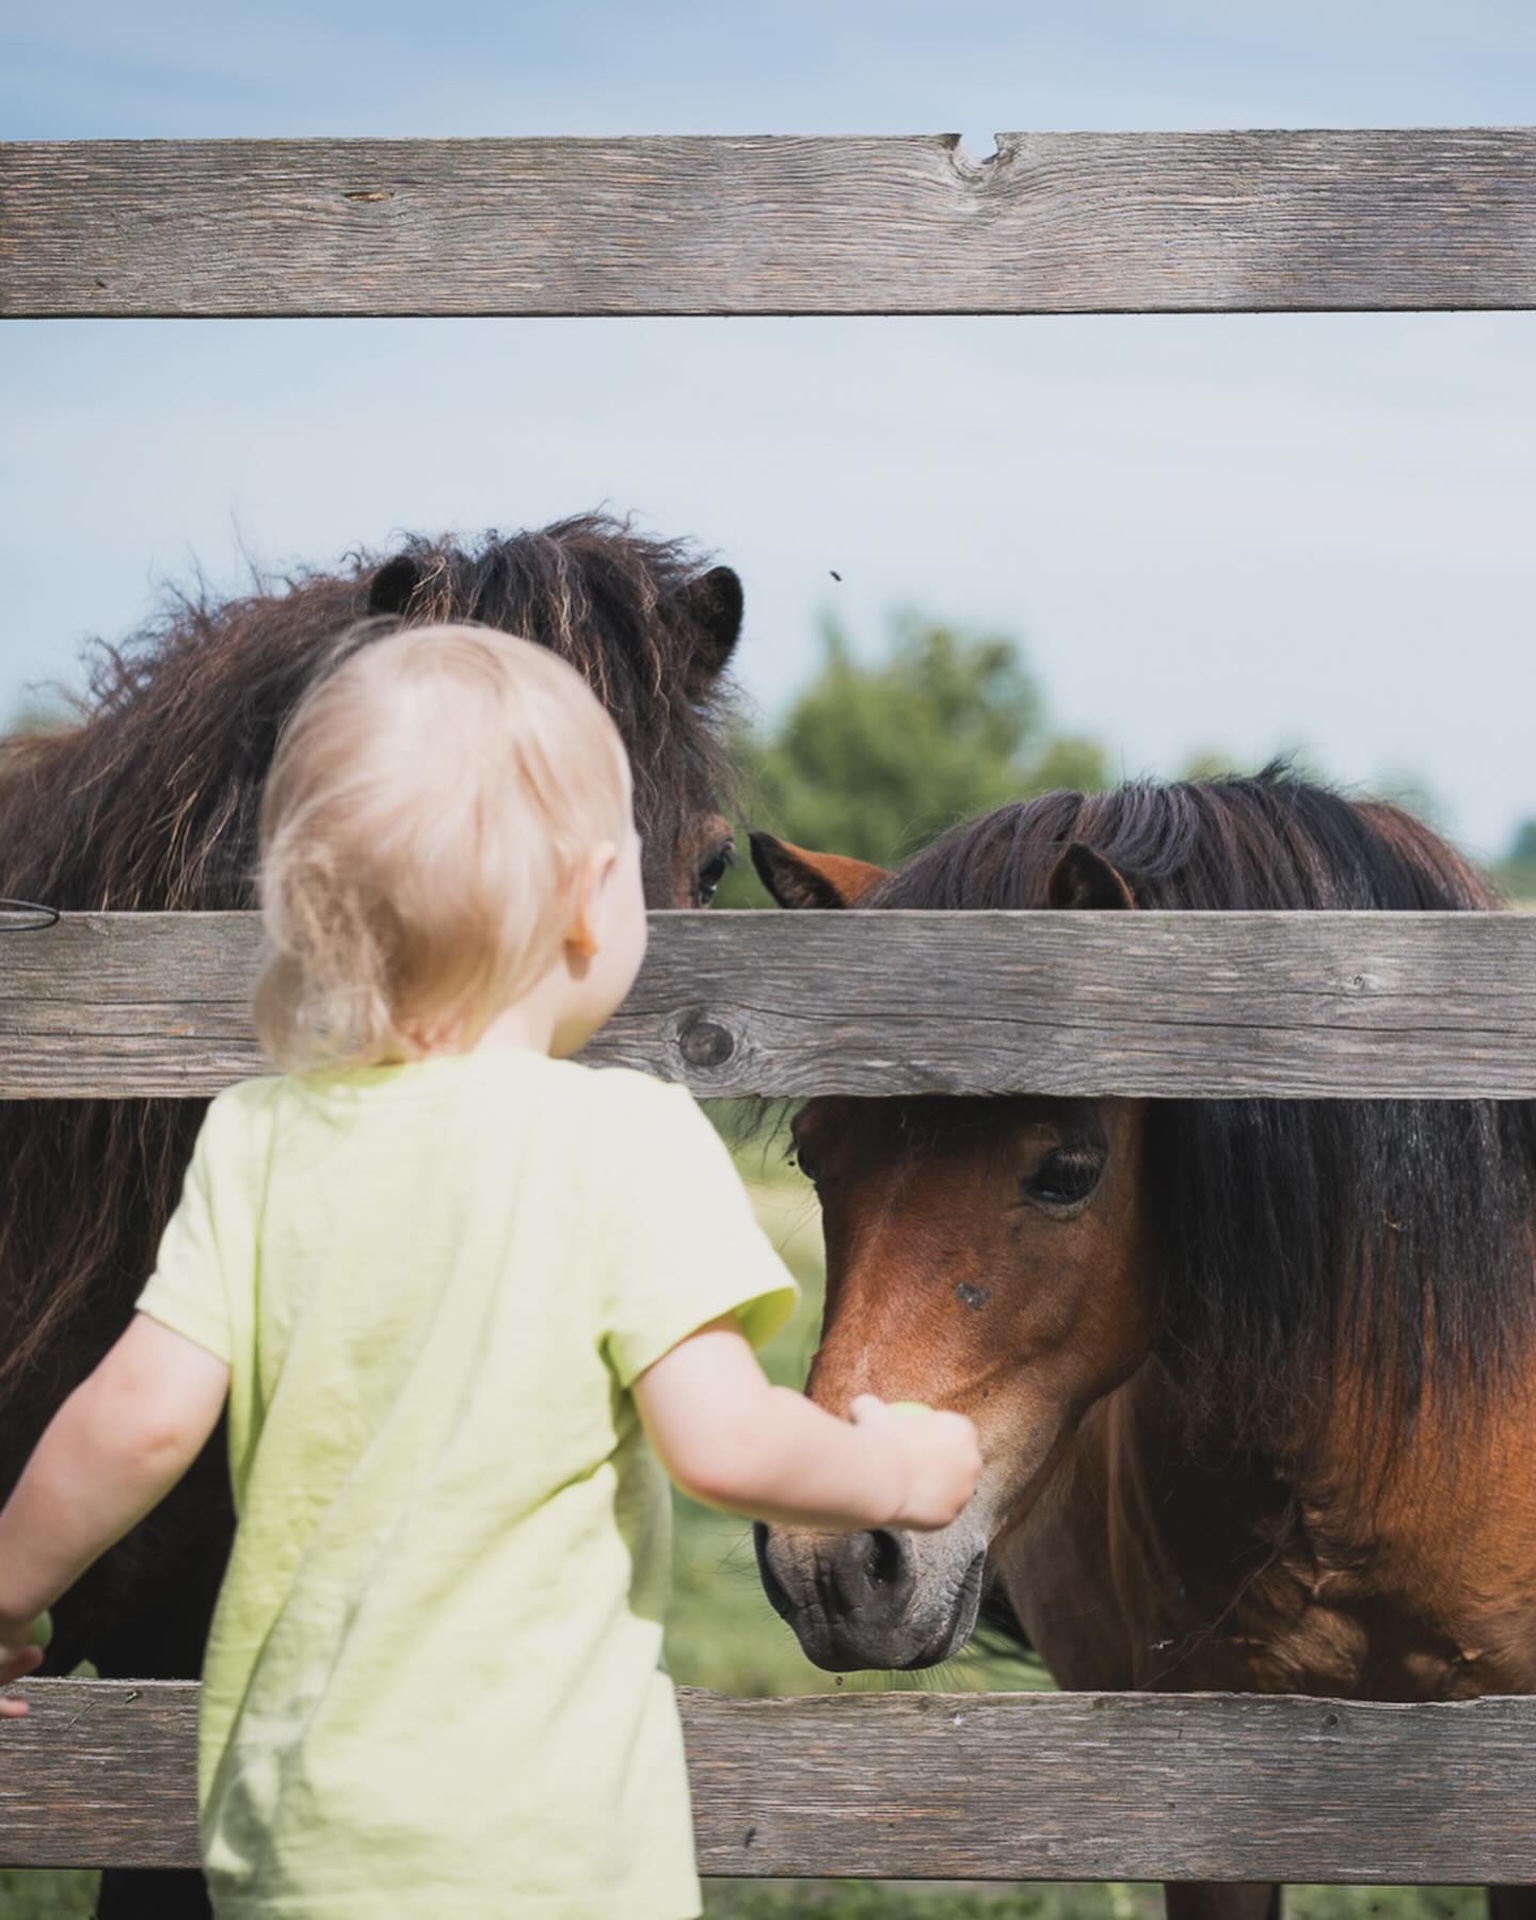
(57, 1896)
(68, 1896)
(722, 1634)
(897, 1900)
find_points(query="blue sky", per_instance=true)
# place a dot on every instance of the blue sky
(1226, 533)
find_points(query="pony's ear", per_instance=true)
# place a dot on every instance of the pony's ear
(390, 589)
(796, 878)
(714, 603)
(1082, 878)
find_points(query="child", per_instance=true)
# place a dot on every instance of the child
(447, 1283)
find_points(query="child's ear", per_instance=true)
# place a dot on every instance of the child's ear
(592, 876)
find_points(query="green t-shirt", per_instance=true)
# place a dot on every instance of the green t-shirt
(434, 1682)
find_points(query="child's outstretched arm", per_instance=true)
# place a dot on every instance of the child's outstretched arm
(730, 1439)
(115, 1448)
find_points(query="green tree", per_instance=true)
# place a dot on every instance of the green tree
(1207, 763)
(39, 710)
(1515, 874)
(1402, 787)
(874, 760)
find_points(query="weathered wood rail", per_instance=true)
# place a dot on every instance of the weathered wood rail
(1052, 223)
(1154, 1004)
(925, 1786)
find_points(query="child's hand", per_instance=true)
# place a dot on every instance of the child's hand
(19, 1656)
(940, 1455)
(731, 1440)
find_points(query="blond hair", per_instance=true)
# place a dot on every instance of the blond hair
(428, 808)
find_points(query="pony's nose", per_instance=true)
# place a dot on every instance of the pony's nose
(864, 1599)
(868, 1577)
(852, 1581)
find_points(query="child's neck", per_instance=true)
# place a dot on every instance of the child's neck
(548, 1018)
(524, 1027)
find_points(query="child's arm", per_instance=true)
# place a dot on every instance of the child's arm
(730, 1439)
(115, 1448)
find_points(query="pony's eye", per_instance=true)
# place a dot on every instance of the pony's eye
(707, 881)
(806, 1164)
(1064, 1179)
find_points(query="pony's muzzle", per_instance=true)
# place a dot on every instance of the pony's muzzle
(855, 1599)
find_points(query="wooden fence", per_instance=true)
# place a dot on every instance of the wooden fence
(1325, 1005)
(1053, 1786)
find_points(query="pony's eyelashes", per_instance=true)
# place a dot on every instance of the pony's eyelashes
(1065, 1180)
(713, 870)
(807, 1129)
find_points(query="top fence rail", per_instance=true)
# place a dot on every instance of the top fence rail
(1237, 222)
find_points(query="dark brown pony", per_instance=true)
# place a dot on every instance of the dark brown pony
(1255, 1379)
(150, 802)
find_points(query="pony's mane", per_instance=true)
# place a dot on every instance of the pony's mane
(150, 801)
(1388, 1241)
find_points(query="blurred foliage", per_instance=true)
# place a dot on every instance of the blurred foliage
(874, 759)
(34, 714)
(70, 1896)
(1401, 787)
(1515, 874)
(46, 1896)
(1211, 763)
(1207, 763)
(878, 1900)
(39, 710)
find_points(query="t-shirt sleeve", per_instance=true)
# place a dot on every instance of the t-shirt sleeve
(187, 1291)
(682, 1245)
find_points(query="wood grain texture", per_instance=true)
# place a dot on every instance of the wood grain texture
(1154, 1004)
(926, 1786)
(1114, 1787)
(1052, 223)
(100, 1773)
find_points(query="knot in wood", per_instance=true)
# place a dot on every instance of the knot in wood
(705, 1043)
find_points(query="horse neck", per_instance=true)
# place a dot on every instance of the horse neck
(1429, 1508)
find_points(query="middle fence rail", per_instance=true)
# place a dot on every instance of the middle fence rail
(1157, 1005)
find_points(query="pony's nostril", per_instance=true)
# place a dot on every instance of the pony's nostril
(883, 1565)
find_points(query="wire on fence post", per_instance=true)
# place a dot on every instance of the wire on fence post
(26, 916)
